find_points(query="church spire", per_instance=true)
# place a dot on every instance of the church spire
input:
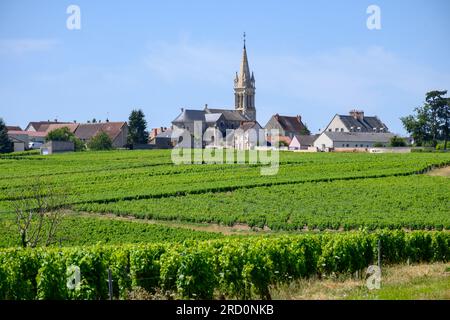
(244, 88)
(244, 77)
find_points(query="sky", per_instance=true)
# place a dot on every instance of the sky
(310, 58)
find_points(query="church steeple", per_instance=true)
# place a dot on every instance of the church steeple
(244, 88)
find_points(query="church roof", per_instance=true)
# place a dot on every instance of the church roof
(212, 117)
(190, 115)
(230, 115)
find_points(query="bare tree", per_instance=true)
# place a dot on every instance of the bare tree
(39, 212)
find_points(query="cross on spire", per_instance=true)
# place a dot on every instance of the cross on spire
(244, 39)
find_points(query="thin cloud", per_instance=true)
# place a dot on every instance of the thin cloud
(24, 46)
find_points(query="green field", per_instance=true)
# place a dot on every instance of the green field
(284, 217)
(77, 230)
(317, 190)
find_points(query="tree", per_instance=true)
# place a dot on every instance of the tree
(137, 126)
(397, 142)
(431, 121)
(305, 131)
(378, 145)
(6, 144)
(64, 134)
(101, 141)
(39, 211)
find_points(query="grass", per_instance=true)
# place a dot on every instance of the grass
(400, 282)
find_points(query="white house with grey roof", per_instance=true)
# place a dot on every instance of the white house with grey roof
(328, 139)
(356, 121)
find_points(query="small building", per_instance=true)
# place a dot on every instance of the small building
(345, 140)
(302, 142)
(57, 147)
(19, 144)
(356, 121)
(287, 126)
(117, 131)
(163, 140)
(247, 136)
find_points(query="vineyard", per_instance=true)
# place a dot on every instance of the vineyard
(232, 268)
(309, 211)
(308, 189)
(77, 230)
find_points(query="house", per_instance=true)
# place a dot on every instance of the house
(163, 140)
(33, 139)
(287, 125)
(356, 121)
(155, 131)
(42, 125)
(345, 140)
(302, 142)
(117, 131)
(19, 144)
(247, 136)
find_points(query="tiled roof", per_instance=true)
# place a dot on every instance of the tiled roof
(190, 115)
(86, 131)
(13, 128)
(165, 134)
(367, 124)
(290, 123)
(306, 140)
(38, 124)
(53, 126)
(245, 125)
(28, 133)
(230, 115)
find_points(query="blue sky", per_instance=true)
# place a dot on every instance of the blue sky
(313, 58)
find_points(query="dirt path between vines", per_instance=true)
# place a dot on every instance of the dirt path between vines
(441, 172)
(237, 229)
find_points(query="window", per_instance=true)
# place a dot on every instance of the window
(329, 130)
(336, 130)
(343, 145)
(342, 129)
(347, 145)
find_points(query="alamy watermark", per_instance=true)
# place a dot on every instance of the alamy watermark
(374, 20)
(209, 146)
(73, 21)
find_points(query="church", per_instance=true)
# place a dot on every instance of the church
(244, 111)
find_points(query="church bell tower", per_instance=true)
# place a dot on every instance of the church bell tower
(244, 89)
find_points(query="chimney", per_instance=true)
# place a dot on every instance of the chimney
(299, 117)
(357, 114)
(182, 109)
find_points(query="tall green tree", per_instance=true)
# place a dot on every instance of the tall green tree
(6, 144)
(137, 128)
(101, 141)
(431, 121)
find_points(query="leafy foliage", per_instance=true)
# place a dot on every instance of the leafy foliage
(64, 134)
(6, 144)
(236, 268)
(101, 141)
(137, 126)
